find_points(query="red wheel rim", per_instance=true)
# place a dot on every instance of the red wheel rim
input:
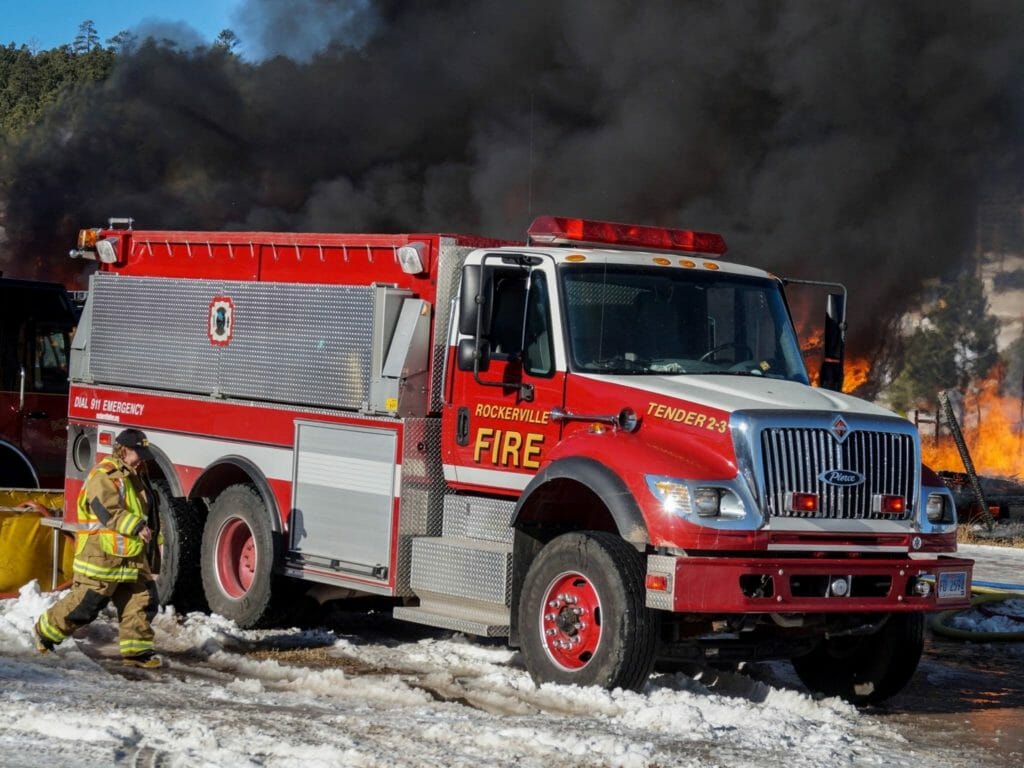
(236, 557)
(570, 620)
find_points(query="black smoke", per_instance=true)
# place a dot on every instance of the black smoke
(841, 141)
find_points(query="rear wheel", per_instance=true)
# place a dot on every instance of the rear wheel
(238, 559)
(866, 670)
(582, 613)
(181, 526)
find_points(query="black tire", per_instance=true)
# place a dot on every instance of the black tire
(180, 582)
(238, 559)
(603, 576)
(866, 670)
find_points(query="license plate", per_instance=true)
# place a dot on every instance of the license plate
(952, 584)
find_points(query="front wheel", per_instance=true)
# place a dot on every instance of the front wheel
(866, 670)
(238, 560)
(583, 616)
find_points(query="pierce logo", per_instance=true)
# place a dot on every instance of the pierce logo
(841, 477)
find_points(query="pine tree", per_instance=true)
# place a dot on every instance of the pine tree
(87, 38)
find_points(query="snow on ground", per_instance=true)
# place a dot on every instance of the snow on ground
(388, 696)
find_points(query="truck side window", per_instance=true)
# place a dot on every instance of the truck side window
(521, 327)
(538, 359)
(50, 360)
(508, 323)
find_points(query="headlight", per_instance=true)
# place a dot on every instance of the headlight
(938, 508)
(707, 501)
(674, 495)
(682, 498)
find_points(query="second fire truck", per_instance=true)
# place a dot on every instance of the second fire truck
(601, 443)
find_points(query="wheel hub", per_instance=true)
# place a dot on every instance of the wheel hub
(571, 621)
(236, 558)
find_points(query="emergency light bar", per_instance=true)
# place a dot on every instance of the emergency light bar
(556, 230)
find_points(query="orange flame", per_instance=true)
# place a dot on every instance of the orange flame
(993, 429)
(855, 370)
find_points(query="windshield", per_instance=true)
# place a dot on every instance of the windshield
(624, 319)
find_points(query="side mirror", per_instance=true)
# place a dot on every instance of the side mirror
(476, 301)
(474, 356)
(831, 373)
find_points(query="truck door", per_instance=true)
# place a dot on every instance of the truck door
(497, 427)
(36, 320)
(44, 425)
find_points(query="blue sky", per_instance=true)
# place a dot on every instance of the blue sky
(44, 24)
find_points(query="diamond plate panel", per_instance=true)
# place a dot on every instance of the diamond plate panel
(469, 517)
(134, 318)
(291, 343)
(661, 564)
(422, 492)
(299, 343)
(449, 272)
(456, 619)
(479, 572)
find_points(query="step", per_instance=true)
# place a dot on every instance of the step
(470, 618)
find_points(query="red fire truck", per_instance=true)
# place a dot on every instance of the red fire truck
(600, 443)
(36, 322)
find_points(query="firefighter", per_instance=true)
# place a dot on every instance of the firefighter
(111, 560)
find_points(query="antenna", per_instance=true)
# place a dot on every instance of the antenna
(529, 183)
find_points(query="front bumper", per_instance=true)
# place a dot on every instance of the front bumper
(804, 585)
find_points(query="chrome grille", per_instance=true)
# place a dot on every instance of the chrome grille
(793, 458)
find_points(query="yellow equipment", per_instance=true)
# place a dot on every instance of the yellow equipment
(29, 548)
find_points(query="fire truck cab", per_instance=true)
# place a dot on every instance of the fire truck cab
(36, 323)
(601, 443)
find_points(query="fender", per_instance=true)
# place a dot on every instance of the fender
(166, 470)
(599, 479)
(229, 470)
(569, 473)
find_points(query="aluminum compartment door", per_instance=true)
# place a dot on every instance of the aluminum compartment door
(344, 497)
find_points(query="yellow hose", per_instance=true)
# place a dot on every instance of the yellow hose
(982, 595)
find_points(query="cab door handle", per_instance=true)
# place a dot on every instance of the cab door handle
(462, 426)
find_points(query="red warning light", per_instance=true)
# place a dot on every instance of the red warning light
(558, 230)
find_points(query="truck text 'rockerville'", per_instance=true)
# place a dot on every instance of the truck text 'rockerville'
(601, 444)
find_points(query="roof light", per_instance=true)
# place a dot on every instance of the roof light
(87, 237)
(557, 230)
(107, 250)
(411, 257)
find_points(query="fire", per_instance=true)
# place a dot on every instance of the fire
(993, 428)
(855, 370)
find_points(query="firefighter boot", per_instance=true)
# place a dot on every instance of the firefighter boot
(146, 660)
(43, 644)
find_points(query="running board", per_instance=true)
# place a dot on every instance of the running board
(482, 620)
